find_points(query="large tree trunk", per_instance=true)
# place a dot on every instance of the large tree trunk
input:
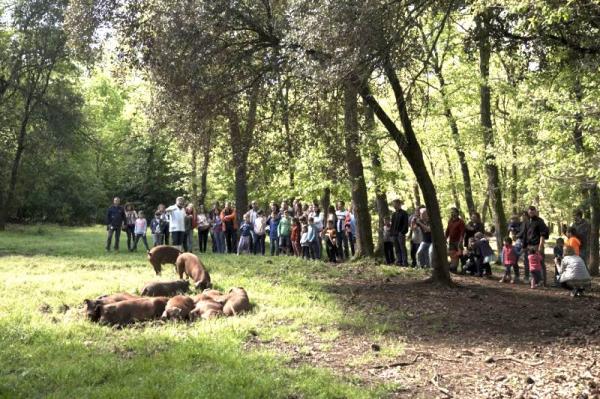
(285, 114)
(464, 166)
(411, 149)
(364, 235)
(491, 168)
(455, 196)
(381, 202)
(194, 175)
(204, 175)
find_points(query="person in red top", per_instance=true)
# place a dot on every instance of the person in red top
(509, 258)
(535, 267)
(229, 227)
(455, 234)
(295, 236)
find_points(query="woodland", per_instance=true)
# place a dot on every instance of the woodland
(487, 106)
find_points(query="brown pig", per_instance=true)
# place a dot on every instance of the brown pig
(237, 302)
(193, 268)
(127, 312)
(166, 288)
(206, 309)
(178, 308)
(93, 306)
(211, 294)
(162, 254)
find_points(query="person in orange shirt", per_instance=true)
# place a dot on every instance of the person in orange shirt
(572, 240)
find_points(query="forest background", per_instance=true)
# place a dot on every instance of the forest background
(485, 106)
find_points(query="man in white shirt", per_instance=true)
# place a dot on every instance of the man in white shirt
(177, 222)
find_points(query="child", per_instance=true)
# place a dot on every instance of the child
(218, 234)
(558, 257)
(483, 255)
(156, 227)
(388, 241)
(469, 265)
(535, 267)
(509, 259)
(245, 228)
(140, 231)
(572, 240)
(330, 241)
(273, 223)
(283, 232)
(313, 238)
(304, 244)
(296, 236)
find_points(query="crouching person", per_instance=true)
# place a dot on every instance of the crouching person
(574, 274)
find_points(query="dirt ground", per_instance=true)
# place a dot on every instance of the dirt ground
(482, 339)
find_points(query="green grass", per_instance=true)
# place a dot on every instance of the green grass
(50, 350)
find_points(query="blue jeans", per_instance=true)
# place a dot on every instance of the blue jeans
(219, 238)
(423, 254)
(400, 247)
(274, 245)
(259, 244)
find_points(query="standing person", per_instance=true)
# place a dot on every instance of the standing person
(573, 241)
(416, 236)
(156, 228)
(217, 231)
(165, 218)
(455, 232)
(473, 227)
(535, 235)
(509, 258)
(423, 257)
(582, 231)
(229, 227)
(535, 266)
(388, 241)
(340, 229)
(284, 229)
(203, 228)
(313, 240)
(190, 224)
(252, 214)
(130, 218)
(351, 229)
(317, 215)
(245, 228)
(212, 215)
(398, 232)
(273, 223)
(304, 242)
(141, 227)
(176, 215)
(260, 226)
(330, 241)
(296, 236)
(115, 218)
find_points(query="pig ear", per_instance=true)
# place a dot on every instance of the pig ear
(88, 302)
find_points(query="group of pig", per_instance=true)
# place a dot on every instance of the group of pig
(165, 300)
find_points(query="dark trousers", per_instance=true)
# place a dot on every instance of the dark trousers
(414, 247)
(230, 240)
(117, 232)
(482, 267)
(400, 247)
(315, 249)
(130, 236)
(137, 238)
(342, 245)
(202, 239)
(259, 244)
(274, 244)
(388, 250)
(305, 252)
(176, 237)
(331, 250)
(526, 264)
(166, 233)
(515, 268)
(351, 240)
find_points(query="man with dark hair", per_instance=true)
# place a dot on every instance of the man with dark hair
(340, 229)
(398, 232)
(534, 234)
(455, 232)
(115, 217)
(582, 231)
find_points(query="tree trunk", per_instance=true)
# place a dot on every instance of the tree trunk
(452, 180)
(286, 127)
(464, 166)
(417, 195)
(204, 175)
(411, 149)
(364, 234)
(381, 202)
(491, 168)
(595, 231)
(194, 175)
(325, 202)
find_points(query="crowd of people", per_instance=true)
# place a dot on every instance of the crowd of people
(303, 230)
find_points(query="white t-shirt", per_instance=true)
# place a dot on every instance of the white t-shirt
(260, 225)
(177, 218)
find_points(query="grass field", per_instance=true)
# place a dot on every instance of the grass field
(50, 350)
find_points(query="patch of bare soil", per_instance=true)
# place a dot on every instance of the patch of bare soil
(481, 339)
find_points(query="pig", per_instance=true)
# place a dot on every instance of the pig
(178, 308)
(129, 311)
(214, 295)
(93, 306)
(193, 268)
(162, 254)
(206, 308)
(166, 288)
(237, 302)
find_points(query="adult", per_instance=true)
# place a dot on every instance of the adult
(455, 232)
(315, 213)
(260, 228)
(534, 235)
(398, 232)
(273, 223)
(251, 215)
(229, 227)
(191, 222)
(213, 215)
(582, 231)
(130, 217)
(416, 235)
(423, 253)
(176, 215)
(164, 218)
(115, 218)
(574, 274)
(203, 228)
(351, 229)
(340, 230)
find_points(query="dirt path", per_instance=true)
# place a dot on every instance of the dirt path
(483, 339)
